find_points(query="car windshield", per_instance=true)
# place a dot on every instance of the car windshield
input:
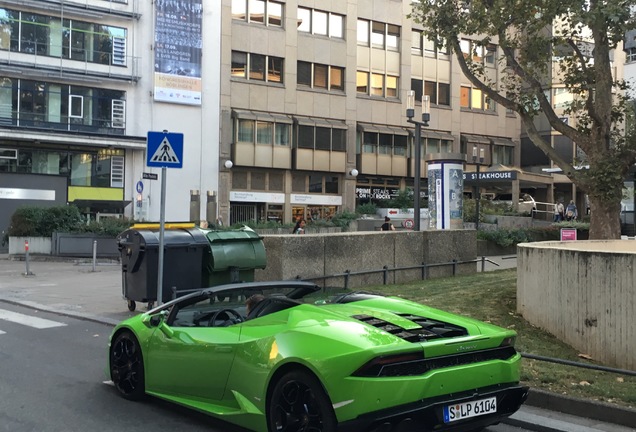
(226, 305)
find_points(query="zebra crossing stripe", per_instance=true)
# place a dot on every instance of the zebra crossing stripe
(28, 320)
(1, 332)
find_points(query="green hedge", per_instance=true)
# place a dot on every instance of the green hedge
(511, 237)
(30, 221)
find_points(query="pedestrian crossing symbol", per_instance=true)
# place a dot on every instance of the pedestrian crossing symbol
(164, 150)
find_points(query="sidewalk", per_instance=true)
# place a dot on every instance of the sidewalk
(69, 288)
(74, 289)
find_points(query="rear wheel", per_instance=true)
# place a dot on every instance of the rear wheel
(127, 366)
(299, 404)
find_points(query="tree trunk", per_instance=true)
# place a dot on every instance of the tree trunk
(605, 223)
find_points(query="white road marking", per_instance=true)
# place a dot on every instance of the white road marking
(109, 383)
(1, 332)
(31, 321)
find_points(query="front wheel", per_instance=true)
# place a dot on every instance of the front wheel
(299, 404)
(127, 366)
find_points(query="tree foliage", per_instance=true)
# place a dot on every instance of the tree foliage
(542, 42)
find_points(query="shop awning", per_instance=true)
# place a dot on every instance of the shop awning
(262, 116)
(428, 133)
(502, 141)
(320, 122)
(383, 129)
(475, 139)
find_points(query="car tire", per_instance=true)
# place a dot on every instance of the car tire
(299, 403)
(127, 366)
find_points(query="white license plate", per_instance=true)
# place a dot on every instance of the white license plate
(466, 410)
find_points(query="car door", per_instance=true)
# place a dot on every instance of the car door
(189, 360)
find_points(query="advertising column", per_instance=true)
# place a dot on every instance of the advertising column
(445, 190)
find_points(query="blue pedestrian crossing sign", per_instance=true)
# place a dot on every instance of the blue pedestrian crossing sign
(164, 150)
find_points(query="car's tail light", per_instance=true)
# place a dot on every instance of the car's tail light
(509, 341)
(376, 366)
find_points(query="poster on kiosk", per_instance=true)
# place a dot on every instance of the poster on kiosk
(445, 191)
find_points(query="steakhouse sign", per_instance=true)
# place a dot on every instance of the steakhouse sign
(491, 176)
(375, 193)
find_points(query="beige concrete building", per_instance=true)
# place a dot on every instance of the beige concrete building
(313, 108)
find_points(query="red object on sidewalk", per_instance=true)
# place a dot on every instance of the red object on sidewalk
(26, 245)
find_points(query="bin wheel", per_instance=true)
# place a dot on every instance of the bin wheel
(131, 305)
(151, 305)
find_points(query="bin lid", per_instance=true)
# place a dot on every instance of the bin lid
(171, 237)
(242, 249)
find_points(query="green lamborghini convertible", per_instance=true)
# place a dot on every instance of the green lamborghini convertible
(318, 360)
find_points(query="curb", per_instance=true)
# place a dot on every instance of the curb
(594, 410)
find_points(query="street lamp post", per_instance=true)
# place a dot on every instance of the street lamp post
(481, 161)
(426, 116)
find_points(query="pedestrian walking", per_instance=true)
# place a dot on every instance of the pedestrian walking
(387, 225)
(571, 212)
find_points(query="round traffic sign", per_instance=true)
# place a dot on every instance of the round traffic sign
(140, 186)
(408, 223)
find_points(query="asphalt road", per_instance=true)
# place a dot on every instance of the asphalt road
(53, 379)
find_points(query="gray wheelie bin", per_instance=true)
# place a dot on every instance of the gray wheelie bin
(193, 258)
(185, 251)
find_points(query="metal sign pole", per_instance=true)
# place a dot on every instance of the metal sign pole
(162, 224)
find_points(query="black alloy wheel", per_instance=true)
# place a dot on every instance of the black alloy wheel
(127, 366)
(299, 404)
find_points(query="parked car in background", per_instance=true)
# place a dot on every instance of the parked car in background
(527, 203)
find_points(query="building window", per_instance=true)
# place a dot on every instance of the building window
(320, 23)
(502, 155)
(491, 55)
(320, 76)
(384, 143)
(45, 35)
(261, 67)
(239, 64)
(392, 37)
(436, 145)
(439, 93)
(47, 105)
(563, 98)
(322, 138)
(399, 145)
(630, 55)
(475, 99)
(379, 85)
(281, 135)
(391, 86)
(481, 54)
(245, 131)
(416, 42)
(378, 33)
(443, 94)
(369, 142)
(363, 32)
(314, 183)
(258, 11)
(92, 168)
(382, 36)
(262, 132)
(362, 82)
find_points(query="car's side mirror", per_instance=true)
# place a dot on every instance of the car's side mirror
(156, 319)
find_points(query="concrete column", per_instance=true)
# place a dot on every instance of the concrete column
(195, 205)
(515, 195)
(551, 199)
(210, 207)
